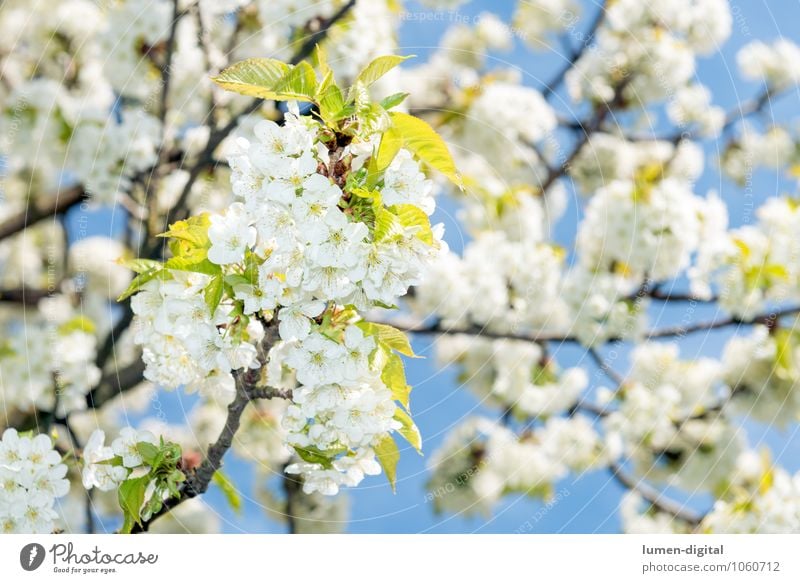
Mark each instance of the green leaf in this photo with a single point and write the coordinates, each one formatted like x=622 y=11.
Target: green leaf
x=213 y=293
x=378 y=68
x=193 y=230
x=131 y=497
x=330 y=99
x=391 y=142
x=77 y=324
x=148 y=451
x=409 y=430
x=426 y=145
x=140 y=265
x=228 y=490
x=386 y=225
x=192 y=264
x=389 y=336
x=412 y=216
x=269 y=79
x=314 y=455
x=393 y=376
x=393 y=100
x=139 y=281
x=388 y=455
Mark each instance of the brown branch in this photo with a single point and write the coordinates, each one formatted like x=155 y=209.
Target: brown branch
x=655 y=498
x=115 y=383
x=247 y=389
x=602 y=111
x=550 y=87
x=738 y=113
x=24 y=295
x=768 y=319
x=59 y=204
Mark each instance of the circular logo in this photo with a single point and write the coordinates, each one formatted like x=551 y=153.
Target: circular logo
x=31 y=556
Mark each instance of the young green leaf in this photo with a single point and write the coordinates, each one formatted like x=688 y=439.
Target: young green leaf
x=393 y=100
x=213 y=293
x=409 y=429
x=378 y=68
x=393 y=376
x=391 y=142
x=139 y=265
x=228 y=490
x=330 y=99
x=193 y=230
x=388 y=455
x=390 y=336
x=426 y=144
x=77 y=324
x=141 y=279
x=148 y=451
x=413 y=216
x=269 y=79
x=131 y=497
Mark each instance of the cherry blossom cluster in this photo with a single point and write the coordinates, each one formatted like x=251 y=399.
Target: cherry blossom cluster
x=667 y=419
x=650 y=45
x=482 y=460
x=98 y=471
x=754 y=264
x=516 y=376
x=303 y=241
x=30 y=365
x=32 y=477
x=762 y=499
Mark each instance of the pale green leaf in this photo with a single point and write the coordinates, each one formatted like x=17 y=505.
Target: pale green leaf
x=139 y=265
x=378 y=68
x=269 y=79
x=228 y=490
x=393 y=100
x=388 y=455
x=393 y=376
x=426 y=144
x=213 y=293
x=193 y=230
x=330 y=99
x=141 y=279
x=389 y=336
x=409 y=430
x=391 y=142
x=412 y=216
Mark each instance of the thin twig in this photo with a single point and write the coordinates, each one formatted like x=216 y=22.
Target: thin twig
x=657 y=499
x=549 y=88
x=33 y=213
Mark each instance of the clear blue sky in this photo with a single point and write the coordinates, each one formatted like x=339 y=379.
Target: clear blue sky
x=588 y=503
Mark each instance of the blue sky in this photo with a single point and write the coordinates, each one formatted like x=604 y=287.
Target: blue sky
x=588 y=503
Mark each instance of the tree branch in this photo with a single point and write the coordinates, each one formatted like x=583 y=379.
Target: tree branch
x=59 y=204
x=655 y=498
x=247 y=389
x=549 y=88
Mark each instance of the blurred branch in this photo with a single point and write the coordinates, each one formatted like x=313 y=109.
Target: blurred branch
x=420 y=327
x=115 y=383
x=736 y=114
x=602 y=111
x=24 y=295
x=655 y=498
x=549 y=88
x=59 y=204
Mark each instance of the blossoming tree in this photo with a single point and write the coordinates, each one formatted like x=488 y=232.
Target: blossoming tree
x=277 y=171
